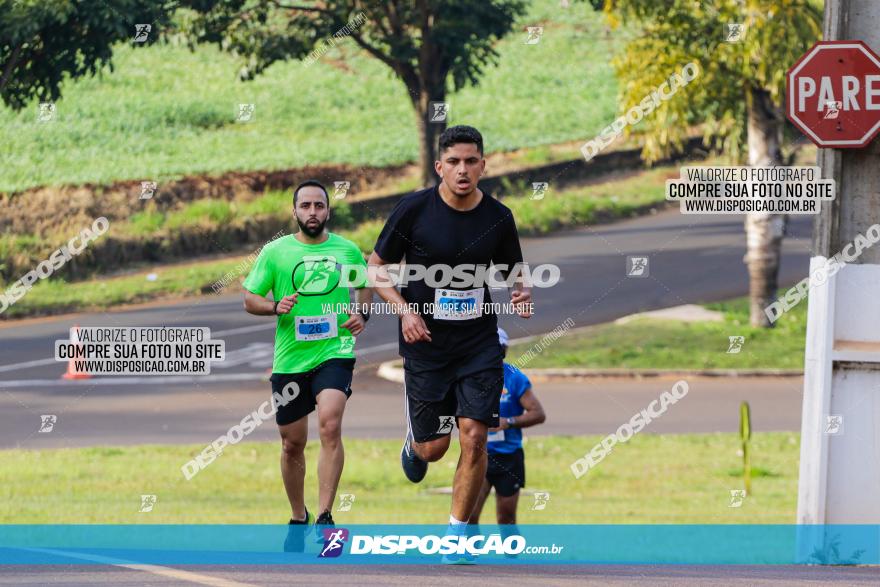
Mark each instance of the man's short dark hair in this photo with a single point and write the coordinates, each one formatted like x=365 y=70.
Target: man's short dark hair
x=460 y=134
x=307 y=183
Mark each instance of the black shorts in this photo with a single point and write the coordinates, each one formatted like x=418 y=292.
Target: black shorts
x=441 y=390
x=331 y=374
x=507 y=472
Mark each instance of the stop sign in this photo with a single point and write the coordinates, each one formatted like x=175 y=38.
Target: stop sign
x=833 y=94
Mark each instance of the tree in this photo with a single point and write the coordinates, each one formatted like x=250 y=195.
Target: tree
x=44 y=41
x=424 y=42
x=738 y=95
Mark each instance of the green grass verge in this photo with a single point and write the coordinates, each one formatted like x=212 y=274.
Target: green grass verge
x=166 y=112
x=612 y=199
x=651 y=479
x=649 y=343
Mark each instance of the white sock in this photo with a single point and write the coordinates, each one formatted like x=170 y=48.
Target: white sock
x=456 y=526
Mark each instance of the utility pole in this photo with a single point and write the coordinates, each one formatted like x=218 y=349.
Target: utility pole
x=840 y=433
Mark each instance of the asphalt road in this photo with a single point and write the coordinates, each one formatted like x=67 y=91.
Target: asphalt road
x=691 y=259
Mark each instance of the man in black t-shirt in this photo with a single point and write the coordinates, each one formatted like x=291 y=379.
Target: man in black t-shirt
x=448 y=337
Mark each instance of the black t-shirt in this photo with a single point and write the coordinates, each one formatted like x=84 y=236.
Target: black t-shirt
x=423 y=229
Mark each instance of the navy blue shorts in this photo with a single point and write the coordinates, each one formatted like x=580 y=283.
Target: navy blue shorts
x=331 y=374
x=507 y=472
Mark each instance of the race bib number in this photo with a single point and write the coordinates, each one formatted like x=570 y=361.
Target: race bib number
x=316 y=327
x=450 y=304
x=497 y=436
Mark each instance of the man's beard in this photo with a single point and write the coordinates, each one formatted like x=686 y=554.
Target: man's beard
x=311 y=232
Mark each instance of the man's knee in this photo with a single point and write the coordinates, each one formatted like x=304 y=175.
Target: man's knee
x=292 y=448
x=331 y=431
x=473 y=440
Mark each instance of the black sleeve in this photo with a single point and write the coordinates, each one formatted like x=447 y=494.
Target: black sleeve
x=507 y=251
x=394 y=240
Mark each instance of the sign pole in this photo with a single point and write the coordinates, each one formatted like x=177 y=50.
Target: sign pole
x=840 y=433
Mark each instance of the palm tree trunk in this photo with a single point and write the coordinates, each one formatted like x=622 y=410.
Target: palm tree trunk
x=764 y=231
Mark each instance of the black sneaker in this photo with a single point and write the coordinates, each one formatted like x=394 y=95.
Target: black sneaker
x=414 y=468
x=325 y=520
x=296 y=534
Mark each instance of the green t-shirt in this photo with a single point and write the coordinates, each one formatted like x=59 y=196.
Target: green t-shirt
x=312 y=332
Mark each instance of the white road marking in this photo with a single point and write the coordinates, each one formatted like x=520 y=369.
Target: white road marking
x=26 y=364
x=178 y=574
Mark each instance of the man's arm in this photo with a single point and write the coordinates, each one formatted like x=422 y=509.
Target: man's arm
x=509 y=253
x=521 y=297
x=357 y=322
x=260 y=306
x=534 y=412
x=412 y=325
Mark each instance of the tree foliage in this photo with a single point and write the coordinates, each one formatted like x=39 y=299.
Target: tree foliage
x=44 y=41
x=676 y=32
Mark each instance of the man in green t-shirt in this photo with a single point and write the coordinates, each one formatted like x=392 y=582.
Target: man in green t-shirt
x=314 y=343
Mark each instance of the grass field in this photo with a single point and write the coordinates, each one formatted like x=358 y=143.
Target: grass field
x=165 y=112
x=651 y=479
x=649 y=343
x=613 y=199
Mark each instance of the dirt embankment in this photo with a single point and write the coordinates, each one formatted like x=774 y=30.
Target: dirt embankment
x=41 y=220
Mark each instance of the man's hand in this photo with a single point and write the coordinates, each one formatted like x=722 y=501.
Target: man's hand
x=502 y=425
x=522 y=301
x=355 y=324
x=414 y=328
x=286 y=303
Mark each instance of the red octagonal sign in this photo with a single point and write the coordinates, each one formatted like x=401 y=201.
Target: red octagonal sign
x=833 y=94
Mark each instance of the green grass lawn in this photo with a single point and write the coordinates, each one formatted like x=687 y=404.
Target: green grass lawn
x=651 y=479
x=165 y=112
x=649 y=343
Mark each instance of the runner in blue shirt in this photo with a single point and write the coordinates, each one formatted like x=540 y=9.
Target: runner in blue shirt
x=519 y=409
